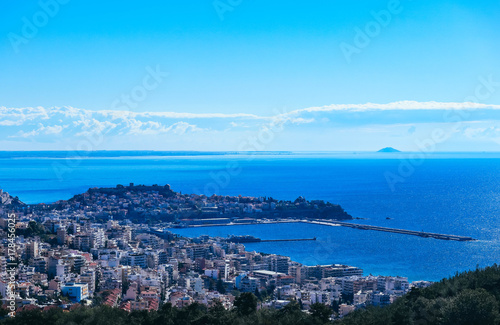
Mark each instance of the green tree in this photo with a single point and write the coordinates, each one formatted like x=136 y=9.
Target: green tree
x=246 y=304
x=221 y=288
x=167 y=314
x=292 y=314
x=335 y=306
x=257 y=294
x=33 y=229
x=321 y=312
x=125 y=286
x=472 y=307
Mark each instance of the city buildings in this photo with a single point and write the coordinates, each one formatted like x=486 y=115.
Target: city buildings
x=96 y=246
x=75 y=291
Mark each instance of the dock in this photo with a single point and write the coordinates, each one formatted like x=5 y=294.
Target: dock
x=298 y=239
x=393 y=230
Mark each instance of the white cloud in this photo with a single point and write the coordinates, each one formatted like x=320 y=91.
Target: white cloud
x=77 y=122
x=42 y=130
x=482 y=132
x=21 y=115
x=401 y=105
x=11 y=123
x=183 y=127
x=154 y=128
x=93 y=126
x=301 y=120
x=174 y=115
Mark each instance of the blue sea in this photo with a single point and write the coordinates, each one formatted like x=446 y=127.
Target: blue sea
x=451 y=193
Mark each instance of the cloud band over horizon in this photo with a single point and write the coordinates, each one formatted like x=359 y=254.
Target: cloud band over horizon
x=325 y=128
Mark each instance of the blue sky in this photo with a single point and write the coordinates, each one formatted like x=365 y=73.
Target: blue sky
x=217 y=73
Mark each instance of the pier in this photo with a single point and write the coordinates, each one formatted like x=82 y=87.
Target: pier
x=393 y=230
x=299 y=239
x=334 y=223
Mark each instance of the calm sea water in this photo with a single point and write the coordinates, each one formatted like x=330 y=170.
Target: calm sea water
x=448 y=193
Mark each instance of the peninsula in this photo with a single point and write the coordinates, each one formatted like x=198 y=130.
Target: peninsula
x=156 y=204
x=161 y=206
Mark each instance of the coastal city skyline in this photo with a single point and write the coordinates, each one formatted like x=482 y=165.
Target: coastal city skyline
x=123 y=241
x=225 y=162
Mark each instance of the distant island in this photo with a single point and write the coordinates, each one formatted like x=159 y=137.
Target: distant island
x=388 y=149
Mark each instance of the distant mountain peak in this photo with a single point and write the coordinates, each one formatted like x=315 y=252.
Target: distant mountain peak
x=388 y=149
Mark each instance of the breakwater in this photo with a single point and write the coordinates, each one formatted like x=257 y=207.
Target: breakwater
x=393 y=230
x=349 y=225
x=298 y=239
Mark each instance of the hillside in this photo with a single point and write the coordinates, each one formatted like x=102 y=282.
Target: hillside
x=142 y=202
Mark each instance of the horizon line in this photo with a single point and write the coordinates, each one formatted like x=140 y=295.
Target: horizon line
x=253 y=151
